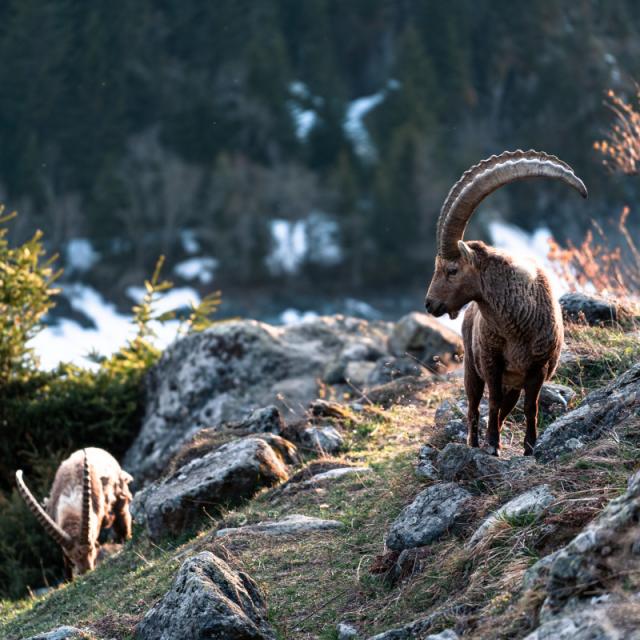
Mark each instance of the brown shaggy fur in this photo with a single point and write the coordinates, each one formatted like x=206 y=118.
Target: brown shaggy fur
x=110 y=498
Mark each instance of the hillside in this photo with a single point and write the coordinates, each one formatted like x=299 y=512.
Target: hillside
x=283 y=144
x=415 y=533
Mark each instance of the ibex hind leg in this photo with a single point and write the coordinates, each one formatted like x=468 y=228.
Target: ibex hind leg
x=474 y=388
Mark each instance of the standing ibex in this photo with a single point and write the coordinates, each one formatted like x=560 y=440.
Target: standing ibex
x=512 y=330
x=90 y=492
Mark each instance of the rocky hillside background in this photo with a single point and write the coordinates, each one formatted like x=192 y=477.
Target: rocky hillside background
x=313 y=482
x=272 y=142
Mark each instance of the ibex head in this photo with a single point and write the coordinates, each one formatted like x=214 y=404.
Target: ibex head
x=80 y=550
x=456 y=280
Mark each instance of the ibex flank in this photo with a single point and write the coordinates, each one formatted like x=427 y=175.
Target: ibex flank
x=512 y=330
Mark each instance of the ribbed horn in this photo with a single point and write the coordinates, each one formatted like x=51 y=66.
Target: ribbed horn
x=86 y=500
x=60 y=536
x=483 y=179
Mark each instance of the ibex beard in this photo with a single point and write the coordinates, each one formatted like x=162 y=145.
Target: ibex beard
x=512 y=329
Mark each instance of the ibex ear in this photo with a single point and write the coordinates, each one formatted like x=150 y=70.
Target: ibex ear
x=466 y=252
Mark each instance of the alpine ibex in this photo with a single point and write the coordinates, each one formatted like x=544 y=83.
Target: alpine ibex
x=90 y=492
x=512 y=330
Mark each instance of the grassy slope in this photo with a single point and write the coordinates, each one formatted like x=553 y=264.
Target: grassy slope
x=313 y=582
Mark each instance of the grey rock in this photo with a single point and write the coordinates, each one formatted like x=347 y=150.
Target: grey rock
x=579 y=307
x=357 y=373
x=605 y=548
x=538 y=572
x=325 y=439
x=428 y=517
x=208 y=599
x=338 y=371
x=333 y=474
x=293 y=524
x=603 y=621
x=532 y=502
x=426 y=468
x=390 y=368
x=225 y=476
x=458 y=462
x=212 y=378
x=61 y=633
x=422 y=337
x=420 y=628
x=264 y=420
x=555 y=398
x=600 y=412
x=346 y=631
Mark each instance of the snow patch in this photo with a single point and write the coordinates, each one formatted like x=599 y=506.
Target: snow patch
x=80 y=255
x=295 y=316
x=202 y=268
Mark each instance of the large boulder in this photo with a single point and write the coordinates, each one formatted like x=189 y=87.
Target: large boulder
x=208 y=600
x=222 y=477
x=220 y=375
x=428 y=517
x=584 y=309
x=601 y=411
x=424 y=338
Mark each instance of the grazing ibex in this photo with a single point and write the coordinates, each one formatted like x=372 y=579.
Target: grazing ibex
x=512 y=330
x=90 y=492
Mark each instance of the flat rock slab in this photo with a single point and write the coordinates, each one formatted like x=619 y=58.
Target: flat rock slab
x=600 y=412
x=533 y=502
x=61 y=633
x=225 y=476
x=334 y=474
x=208 y=600
x=291 y=525
x=428 y=517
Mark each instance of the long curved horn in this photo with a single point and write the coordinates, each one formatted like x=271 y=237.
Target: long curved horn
x=60 y=536
x=487 y=176
x=86 y=500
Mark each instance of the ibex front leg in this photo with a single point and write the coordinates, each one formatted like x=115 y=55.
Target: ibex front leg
x=532 y=386
x=494 y=383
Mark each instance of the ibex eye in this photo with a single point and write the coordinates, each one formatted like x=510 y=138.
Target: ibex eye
x=452 y=271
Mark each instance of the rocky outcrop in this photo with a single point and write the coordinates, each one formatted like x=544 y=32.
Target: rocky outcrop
x=208 y=599
x=294 y=524
x=428 y=517
x=584 y=309
x=222 y=374
x=594 y=621
x=530 y=503
x=601 y=411
x=601 y=552
x=425 y=339
x=224 y=476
